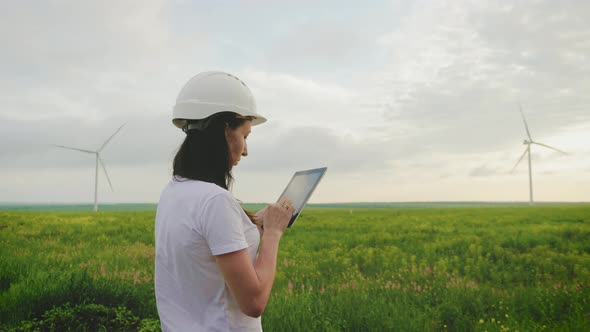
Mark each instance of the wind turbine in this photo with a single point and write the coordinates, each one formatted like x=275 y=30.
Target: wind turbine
x=527 y=151
x=98 y=161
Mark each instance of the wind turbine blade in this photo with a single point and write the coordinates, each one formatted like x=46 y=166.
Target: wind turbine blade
x=519 y=160
x=105 y=172
x=71 y=148
x=525 y=124
x=110 y=138
x=550 y=147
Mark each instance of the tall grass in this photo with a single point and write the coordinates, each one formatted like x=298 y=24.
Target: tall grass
x=477 y=269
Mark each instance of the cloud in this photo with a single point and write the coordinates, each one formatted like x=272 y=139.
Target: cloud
x=386 y=95
x=296 y=100
x=483 y=171
x=91 y=34
x=98 y=61
x=313 y=46
x=29 y=144
x=464 y=71
x=312 y=146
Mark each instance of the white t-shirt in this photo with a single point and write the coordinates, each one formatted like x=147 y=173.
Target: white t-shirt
x=195 y=221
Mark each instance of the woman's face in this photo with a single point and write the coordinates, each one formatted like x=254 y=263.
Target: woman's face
x=236 y=141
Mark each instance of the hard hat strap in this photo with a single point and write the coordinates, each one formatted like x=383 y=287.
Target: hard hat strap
x=198 y=125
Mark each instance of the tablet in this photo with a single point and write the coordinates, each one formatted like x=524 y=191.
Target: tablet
x=300 y=189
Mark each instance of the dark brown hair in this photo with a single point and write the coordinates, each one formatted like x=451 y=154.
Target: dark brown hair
x=204 y=155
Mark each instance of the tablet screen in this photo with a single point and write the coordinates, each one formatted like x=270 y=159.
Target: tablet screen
x=301 y=187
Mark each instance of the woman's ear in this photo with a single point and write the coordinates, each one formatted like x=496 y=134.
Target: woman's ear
x=227 y=131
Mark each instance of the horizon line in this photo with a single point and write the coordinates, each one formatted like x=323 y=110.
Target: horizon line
x=315 y=203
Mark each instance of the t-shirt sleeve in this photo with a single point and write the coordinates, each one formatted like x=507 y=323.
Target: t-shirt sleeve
x=222 y=228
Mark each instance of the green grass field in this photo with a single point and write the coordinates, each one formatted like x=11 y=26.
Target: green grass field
x=428 y=269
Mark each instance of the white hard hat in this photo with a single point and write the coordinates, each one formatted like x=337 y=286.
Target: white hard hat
x=214 y=92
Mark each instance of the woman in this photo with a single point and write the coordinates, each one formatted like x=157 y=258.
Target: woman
x=211 y=274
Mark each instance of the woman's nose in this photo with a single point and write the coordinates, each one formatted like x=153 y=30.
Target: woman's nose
x=245 y=151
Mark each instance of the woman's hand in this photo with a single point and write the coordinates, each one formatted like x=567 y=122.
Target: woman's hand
x=275 y=217
x=259 y=216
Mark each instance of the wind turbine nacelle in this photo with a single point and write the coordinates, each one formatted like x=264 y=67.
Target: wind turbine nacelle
x=525 y=142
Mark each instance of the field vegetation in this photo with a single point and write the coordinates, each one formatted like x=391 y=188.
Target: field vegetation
x=430 y=269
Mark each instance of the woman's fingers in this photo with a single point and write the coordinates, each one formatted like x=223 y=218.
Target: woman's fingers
x=260 y=214
x=285 y=202
x=278 y=215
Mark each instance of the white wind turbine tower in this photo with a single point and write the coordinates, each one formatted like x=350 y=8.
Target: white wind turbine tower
x=98 y=161
x=527 y=151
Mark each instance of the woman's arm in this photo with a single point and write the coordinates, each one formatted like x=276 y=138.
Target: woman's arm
x=249 y=283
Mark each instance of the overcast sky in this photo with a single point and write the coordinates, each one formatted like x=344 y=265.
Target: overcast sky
x=401 y=100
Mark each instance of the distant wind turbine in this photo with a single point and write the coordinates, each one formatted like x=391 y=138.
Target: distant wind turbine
x=527 y=151
x=98 y=160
